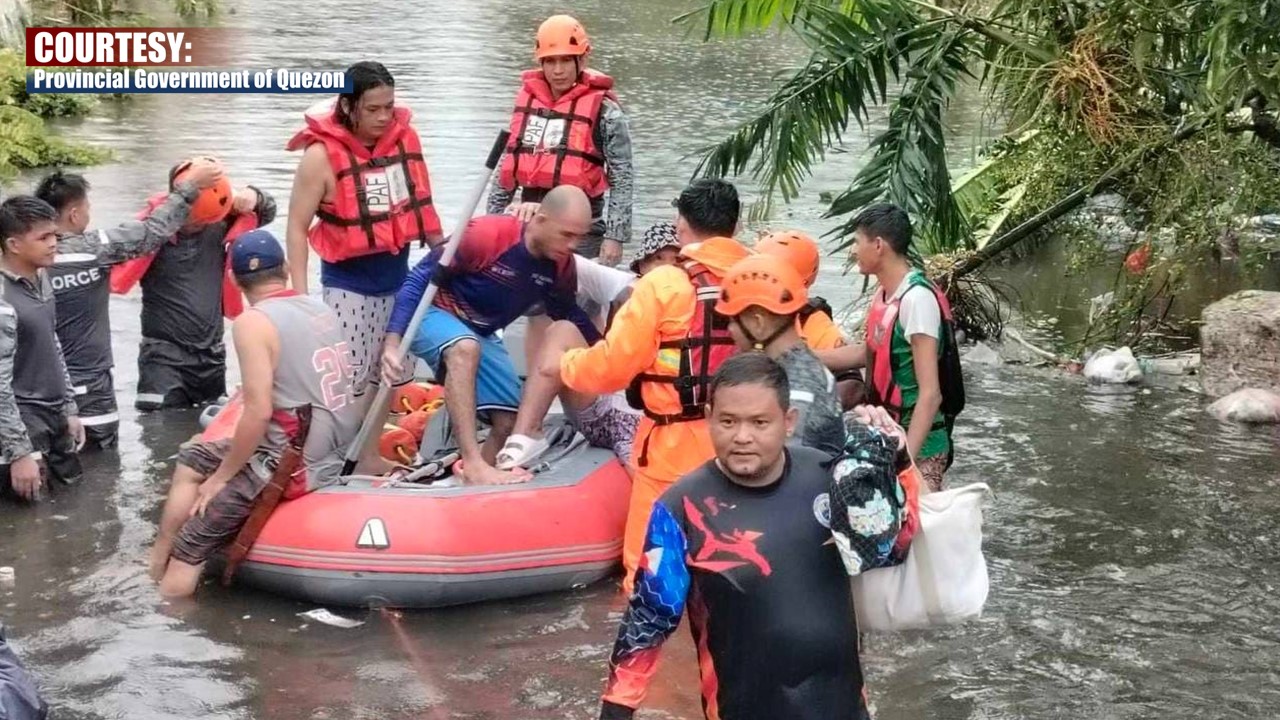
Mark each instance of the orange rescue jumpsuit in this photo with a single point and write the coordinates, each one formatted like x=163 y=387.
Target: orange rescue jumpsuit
x=661 y=308
x=820 y=332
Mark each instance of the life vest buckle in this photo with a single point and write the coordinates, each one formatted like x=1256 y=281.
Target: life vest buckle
x=684 y=382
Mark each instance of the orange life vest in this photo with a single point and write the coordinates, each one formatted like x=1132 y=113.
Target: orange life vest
x=553 y=141
x=702 y=351
x=382 y=199
x=125 y=275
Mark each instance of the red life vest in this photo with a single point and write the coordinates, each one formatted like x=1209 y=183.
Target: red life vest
x=702 y=351
x=382 y=199
x=880 y=323
x=553 y=141
x=125 y=275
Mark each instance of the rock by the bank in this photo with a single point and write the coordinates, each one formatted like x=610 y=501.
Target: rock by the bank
x=1250 y=405
x=1240 y=343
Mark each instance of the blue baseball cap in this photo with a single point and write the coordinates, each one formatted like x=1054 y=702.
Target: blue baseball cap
x=256 y=250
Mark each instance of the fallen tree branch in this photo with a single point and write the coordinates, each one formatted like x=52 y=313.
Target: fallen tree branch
x=1070 y=202
x=1052 y=357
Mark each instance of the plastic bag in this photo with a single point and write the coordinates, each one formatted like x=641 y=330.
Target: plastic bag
x=944 y=579
x=1117 y=367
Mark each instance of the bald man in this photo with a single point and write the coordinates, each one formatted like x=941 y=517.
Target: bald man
x=503 y=267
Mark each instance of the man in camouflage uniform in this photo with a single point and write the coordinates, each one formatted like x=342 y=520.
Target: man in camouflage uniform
x=38 y=422
x=610 y=134
x=80 y=276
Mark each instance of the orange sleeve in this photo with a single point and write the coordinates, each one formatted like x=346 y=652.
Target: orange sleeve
x=821 y=333
x=631 y=345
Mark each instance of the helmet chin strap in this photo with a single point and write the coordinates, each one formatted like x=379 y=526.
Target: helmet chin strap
x=760 y=345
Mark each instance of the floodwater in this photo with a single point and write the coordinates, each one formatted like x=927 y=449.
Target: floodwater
x=1131 y=540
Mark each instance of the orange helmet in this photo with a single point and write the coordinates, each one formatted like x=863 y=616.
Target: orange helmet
x=796 y=248
x=212 y=204
x=762 y=280
x=561 y=35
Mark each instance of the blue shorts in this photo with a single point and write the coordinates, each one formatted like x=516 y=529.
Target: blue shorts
x=497 y=384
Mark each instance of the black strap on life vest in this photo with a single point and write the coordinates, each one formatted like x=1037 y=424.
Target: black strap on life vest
x=691 y=384
x=518 y=147
x=366 y=220
x=413 y=194
x=516 y=140
x=563 y=150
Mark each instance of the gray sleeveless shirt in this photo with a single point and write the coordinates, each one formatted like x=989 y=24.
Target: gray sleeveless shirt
x=313 y=369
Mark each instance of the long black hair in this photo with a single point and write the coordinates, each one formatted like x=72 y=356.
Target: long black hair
x=365 y=76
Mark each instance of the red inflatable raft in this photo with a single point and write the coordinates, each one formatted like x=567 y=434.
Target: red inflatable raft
x=376 y=542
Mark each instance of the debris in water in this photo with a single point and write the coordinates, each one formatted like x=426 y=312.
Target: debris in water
x=981 y=354
x=1119 y=367
x=324 y=616
x=246 y=617
x=7 y=576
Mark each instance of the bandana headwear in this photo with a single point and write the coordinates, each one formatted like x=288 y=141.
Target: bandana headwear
x=658 y=237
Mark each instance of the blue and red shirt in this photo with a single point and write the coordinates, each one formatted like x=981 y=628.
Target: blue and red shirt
x=493 y=280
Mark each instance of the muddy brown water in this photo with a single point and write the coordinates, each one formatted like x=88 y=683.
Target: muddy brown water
x=1132 y=540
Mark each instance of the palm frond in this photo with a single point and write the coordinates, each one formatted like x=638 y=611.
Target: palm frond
x=849 y=71
x=908 y=165
x=731 y=18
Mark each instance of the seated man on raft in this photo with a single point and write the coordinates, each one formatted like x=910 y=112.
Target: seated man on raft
x=503 y=266
x=606 y=420
x=292 y=355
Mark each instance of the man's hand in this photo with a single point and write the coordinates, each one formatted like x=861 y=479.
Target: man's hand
x=75 y=428
x=524 y=212
x=24 y=474
x=246 y=200
x=209 y=490
x=610 y=253
x=392 y=365
x=204 y=172
x=880 y=419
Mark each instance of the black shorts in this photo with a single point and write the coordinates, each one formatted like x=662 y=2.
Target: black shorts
x=170 y=376
x=96 y=398
x=203 y=535
x=47 y=429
